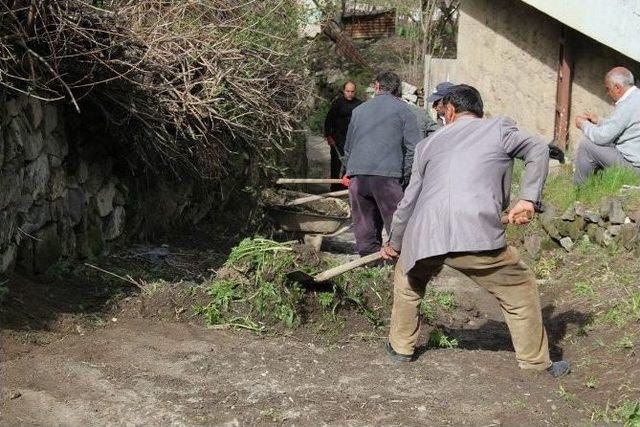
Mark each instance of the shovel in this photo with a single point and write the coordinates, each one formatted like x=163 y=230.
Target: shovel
x=302 y=277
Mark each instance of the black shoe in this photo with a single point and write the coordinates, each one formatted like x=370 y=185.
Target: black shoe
x=558 y=369
x=397 y=357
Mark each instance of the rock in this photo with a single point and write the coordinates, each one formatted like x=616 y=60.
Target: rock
x=104 y=199
x=575 y=229
x=36 y=177
x=592 y=216
x=532 y=245
x=34 y=112
x=115 y=223
x=616 y=214
x=605 y=208
x=566 y=243
x=591 y=231
x=549 y=226
x=555 y=167
x=11 y=182
x=8 y=226
x=634 y=215
x=50 y=118
x=82 y=173
x=408 y=89
x=47 y=250
x=629 y=235
x=24 y=203
x=56 y=148
x=579 y=208
x=75 y=205
x=411 y=98
x=32 y=143
x=569 y=214
x=12 y=107
x=8 y=258
x=614 y=230
x=57 y=184
x=1 y=149
x=36 y=218
x=602 y=237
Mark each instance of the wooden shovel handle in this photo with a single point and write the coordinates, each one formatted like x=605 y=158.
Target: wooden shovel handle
x=308 y=181
x=336 y=271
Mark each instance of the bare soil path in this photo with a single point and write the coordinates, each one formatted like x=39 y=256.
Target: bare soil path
x=144 y=372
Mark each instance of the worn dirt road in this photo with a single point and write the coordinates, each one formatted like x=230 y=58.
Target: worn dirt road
x=142 y=372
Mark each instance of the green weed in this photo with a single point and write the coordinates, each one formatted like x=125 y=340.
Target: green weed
x=625 y=342
x=433 y=298
x=583 y=289
x=628 y=413
x=438 y=339
x=565 y=394
x=545 y=266
x=591 y=383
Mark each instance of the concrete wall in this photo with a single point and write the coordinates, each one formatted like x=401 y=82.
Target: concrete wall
x=55 y=199
x=510 y=52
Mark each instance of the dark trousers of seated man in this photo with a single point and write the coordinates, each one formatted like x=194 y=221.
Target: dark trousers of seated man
x=503 y=274
x=373 y=201
x=591 y=158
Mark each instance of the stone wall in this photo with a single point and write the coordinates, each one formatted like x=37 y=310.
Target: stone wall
x=56 y=199
x=615 y=221
x=510 y=52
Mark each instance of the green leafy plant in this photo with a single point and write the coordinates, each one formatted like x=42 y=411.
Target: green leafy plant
x=438 y=339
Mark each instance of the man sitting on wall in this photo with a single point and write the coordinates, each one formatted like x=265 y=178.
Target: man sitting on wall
x=616 y=139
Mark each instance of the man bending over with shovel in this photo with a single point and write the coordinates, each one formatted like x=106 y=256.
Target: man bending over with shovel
x=451 y=215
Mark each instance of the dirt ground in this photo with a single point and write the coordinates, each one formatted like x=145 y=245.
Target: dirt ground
x=136 y=369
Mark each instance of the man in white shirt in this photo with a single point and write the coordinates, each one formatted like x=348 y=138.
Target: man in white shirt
x=614 y=140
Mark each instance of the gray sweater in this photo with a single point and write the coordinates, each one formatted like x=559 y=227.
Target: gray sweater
x=381 y=139
x=622 y=128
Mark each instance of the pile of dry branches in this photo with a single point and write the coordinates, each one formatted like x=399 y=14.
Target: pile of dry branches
x=184 y=83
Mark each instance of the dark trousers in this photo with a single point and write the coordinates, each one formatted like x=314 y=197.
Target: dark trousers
x=337 y=151
x=373 y=201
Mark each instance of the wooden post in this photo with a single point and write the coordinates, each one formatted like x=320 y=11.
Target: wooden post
x=563 y=92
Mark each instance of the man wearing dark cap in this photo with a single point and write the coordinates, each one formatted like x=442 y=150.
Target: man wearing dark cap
x=436 y=100
x=451 y=215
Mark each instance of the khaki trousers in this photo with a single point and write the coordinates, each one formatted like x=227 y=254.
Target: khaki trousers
x=503 y=274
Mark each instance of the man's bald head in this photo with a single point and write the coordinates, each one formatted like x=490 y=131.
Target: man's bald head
x=617 y=81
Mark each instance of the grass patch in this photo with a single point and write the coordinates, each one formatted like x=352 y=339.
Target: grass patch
x=253 y=289
x=560 y=192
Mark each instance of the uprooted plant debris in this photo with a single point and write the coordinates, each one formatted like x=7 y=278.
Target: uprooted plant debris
x=253 y=289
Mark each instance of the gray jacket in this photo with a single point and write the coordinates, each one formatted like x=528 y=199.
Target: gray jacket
x=460 y=185
x=426 y=125
x=381 y=139
x=622 y=128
